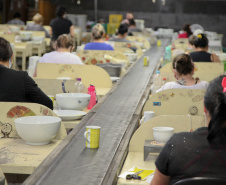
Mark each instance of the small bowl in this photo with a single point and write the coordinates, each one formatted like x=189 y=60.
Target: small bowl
x=72 y=101
x=162 y=134
x=131 y=56
x=37 y=130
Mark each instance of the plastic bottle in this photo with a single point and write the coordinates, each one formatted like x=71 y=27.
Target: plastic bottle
x=93 y=99
x=79 y=87
x=163 y=81
x=157 y=82
x=167 y=56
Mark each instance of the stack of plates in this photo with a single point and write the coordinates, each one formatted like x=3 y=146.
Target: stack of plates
x=69 y=115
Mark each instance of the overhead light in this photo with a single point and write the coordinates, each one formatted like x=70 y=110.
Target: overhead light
x=153 y=1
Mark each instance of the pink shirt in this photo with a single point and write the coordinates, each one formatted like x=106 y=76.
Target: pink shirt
x=60 y=58
x=183 y=35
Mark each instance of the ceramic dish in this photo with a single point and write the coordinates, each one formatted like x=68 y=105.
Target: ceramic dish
x=115 y=79
x=37 y=130
x=69 y=115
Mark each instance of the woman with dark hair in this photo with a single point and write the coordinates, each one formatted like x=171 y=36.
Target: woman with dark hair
x=16 y=19
x=17 y=86
x=200 y=153
x=60 y=25
x=183 y=69
x=122 y=34
x=201 y=50
x=186 y=31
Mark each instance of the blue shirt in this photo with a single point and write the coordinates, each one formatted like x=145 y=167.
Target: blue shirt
x=98 y=46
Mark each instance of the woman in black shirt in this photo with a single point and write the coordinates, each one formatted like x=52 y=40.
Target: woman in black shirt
x=17 y=86
x=201 y=47
x=200 y=153
x=60 y=25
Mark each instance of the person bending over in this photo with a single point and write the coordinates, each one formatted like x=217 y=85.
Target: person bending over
x=64 y=46
x=183 y=69
x=201 y=47
x=122 y=34
x=200 y=153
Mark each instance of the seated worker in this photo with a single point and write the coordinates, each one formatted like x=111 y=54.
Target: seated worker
x=201 y=47
x=122 y=34
x=186 y=31
x=132 y=26
x=200 y=153
x=37 y=26
x=17 y=86
x=183 y=69
x=98 y=33
x=16 y=19
x=64 y=46
x=129 y=16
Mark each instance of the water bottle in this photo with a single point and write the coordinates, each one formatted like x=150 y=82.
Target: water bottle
x=93 y=99
x=157 y=82
x=163 y=81
x=79 y=87
x=167 y=56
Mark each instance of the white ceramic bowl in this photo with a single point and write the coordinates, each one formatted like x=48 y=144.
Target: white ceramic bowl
x=37 y=130
x=131 y=56
x=72 y=101
x=26 y=35
x=162 y=134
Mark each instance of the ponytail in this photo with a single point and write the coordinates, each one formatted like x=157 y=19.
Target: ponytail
x=217 y=122
x=215 y=103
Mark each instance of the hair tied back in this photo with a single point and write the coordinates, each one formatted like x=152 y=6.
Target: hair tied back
x=224 y=84
x=199 y=36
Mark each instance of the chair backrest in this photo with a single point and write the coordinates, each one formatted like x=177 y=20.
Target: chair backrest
x=9 y=37
x=176 y=102
x=90 y=74
x=202 y=76
x=206 y=71
x=12 y=110
x=200 y=67
x=180 y=123
x=37 y=33
x=181 y=43
x=202 y=181
x=99 y=53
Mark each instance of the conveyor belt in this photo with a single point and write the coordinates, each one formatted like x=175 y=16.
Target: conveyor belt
x=79 y=165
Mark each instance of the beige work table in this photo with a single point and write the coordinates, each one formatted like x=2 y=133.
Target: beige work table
x=136 y=159
x=19 y=158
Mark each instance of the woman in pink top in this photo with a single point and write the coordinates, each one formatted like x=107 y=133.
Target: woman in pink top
x=187 y=31
x=62 y=55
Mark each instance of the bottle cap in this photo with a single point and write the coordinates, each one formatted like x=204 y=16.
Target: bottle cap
x=78 y=79
x=157 y=72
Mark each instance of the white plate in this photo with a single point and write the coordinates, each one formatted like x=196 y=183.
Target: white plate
x=68 y=115
x=63 y=78
x=115 y=79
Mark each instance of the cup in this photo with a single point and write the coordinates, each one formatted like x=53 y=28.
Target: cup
x=148 y=115
x=146 y=60
x=52 y=98
x=159 y=43
x=92 y=135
